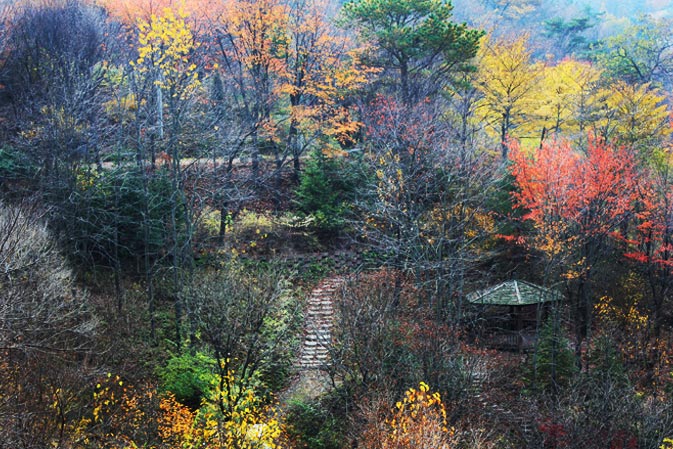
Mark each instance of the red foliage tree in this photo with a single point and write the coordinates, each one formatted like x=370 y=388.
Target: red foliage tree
x=575 y=201
x=651 y=245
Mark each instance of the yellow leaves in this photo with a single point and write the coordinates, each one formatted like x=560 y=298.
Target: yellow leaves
x=508 y=81
x=234 y=417
x=165 y=47
x=627 y=315
x=567 y=95
x=633 y=113
x=390 y=187
x=667 y=443
x=419 y=420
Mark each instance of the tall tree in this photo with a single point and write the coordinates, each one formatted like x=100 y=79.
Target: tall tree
x=651 y=245
x=634 y=115
x=426 y=208
x=252 y=41
x=414 y=39
x=166 y=57
x=643 y=53
x=568 y=37
x=322 y=70
x=55 y=73
x=569 y=102
x=575 y=200
x=508 y=80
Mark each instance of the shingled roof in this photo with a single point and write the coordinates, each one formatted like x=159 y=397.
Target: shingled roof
x=514 y=293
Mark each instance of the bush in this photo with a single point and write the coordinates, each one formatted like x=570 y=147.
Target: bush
x=15 y=165
x=311 y=425
x=262 y=233
x=188 y=377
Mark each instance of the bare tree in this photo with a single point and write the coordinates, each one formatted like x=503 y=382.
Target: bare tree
x=247 y=321
x=46 y=330
x=426 y=214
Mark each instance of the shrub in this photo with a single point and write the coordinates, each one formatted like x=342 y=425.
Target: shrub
x=15 y=165
x=188 y=377
x=311 y=425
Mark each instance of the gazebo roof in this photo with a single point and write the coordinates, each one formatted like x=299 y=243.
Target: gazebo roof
x=514 y=293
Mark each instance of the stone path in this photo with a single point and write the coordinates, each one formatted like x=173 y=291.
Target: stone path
x=311 y=381
x=318 y=323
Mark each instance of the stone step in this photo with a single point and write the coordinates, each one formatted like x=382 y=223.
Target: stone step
x=319 y=317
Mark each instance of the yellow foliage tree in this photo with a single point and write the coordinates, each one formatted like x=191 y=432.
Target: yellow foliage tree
x=165 y=46
x=633 y=114
x=508 y=81
x=418 y=421
x=568 y=99
x=242 y=419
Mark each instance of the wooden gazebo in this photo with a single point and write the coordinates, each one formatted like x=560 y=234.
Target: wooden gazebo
x=511 y=312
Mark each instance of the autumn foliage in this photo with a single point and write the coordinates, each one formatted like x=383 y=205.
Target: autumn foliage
x=573 y=197
x=181 y=173
x=418 y=421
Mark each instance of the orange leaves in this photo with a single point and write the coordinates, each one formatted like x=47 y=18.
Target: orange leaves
x=254 y=31
x=131 y=11
x=572 y=197
x=545 y=182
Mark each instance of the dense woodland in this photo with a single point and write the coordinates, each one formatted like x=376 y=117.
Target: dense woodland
x=177 y=177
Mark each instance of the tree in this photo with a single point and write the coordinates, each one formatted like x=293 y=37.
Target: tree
x=46 y=328
x=251 y=41
x=651 y=246
x=367 y=349
x=508 y=80
x=165 y=44
x=634 y=115
x=568 y=37
x=246 y=321
x=54 y=74
x=425 y=209
x=165 y=57
x=417 y=41
x=40 y=309
x=575 y=201
x=321 y=72
x=569 y=100
x=643 y=53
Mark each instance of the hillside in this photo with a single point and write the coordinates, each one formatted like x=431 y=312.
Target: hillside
x=312 y=224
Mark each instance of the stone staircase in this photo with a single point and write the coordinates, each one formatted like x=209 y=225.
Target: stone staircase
x=319 y=319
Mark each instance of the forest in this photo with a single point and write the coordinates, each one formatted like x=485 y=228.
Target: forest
x=322 y=224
